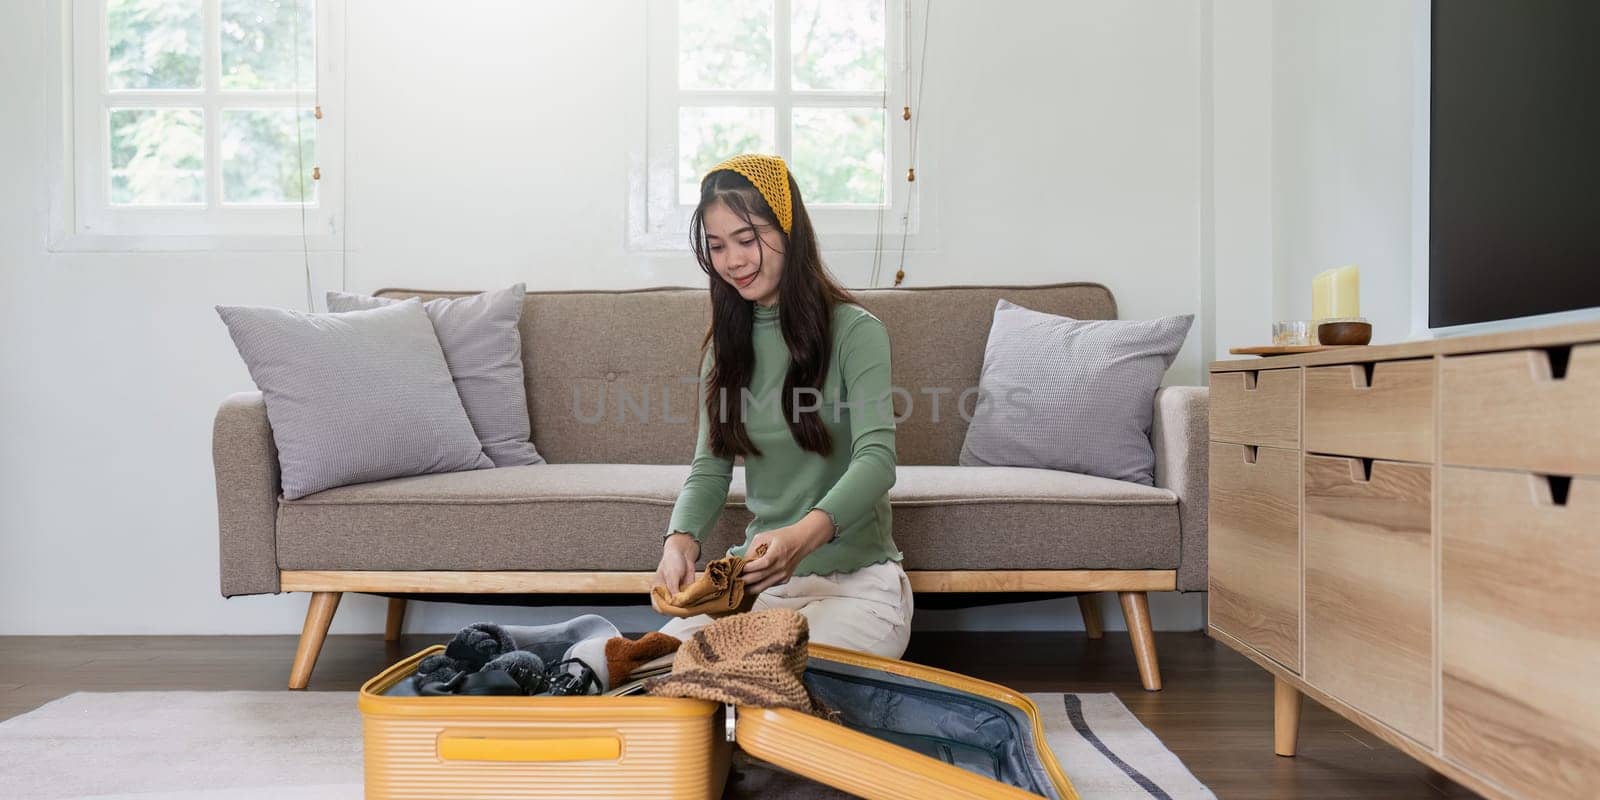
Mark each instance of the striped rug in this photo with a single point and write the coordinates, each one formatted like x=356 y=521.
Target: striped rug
x=1107 y=752
x=246 y=745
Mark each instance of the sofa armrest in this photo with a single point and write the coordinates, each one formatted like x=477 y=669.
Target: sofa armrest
x=246 y=463
x=1181 y=437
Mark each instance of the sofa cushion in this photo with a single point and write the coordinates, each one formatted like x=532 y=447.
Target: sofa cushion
x=483 y=348
x=1070 y=394
x=604 y=517
x=354 y=397
x=951 y=518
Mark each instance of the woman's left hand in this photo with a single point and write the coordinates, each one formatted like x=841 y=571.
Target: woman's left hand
x=786 y=548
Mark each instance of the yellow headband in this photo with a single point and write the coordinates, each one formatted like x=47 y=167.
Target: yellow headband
x=771 y=178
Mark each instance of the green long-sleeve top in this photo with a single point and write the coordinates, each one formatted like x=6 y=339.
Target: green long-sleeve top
x=785 y=482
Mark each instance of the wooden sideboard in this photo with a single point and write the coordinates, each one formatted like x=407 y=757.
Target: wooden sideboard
x=1410 y=535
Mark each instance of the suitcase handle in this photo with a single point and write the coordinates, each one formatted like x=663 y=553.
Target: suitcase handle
x=489 y=748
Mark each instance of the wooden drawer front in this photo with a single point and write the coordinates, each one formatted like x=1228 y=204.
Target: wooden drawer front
x=1520 y=631
x=1255 y=548
x=1261 y=408
x=1508 y=410
x=1369 y=589
x=1387 y=415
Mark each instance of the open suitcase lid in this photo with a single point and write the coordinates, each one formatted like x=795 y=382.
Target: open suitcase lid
x=935 y=733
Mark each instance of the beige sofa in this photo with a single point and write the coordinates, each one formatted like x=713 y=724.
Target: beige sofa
x=589 y=521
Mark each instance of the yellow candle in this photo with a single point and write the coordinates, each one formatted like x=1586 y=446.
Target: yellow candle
x=1345 y=299
x=1336 y=293
x=1321 y=294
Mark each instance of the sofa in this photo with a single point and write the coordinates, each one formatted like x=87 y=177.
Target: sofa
x=611 y=396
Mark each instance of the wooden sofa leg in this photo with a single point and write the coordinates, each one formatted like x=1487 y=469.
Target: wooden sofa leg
x=1089 y=606
x=1285 y=717
x=396 y=620
x=318 y=616
x=1136 y=610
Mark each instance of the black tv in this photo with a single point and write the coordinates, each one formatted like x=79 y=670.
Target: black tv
x=1514 y=165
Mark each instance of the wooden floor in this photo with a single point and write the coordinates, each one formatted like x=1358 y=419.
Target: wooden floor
x=1215 y=712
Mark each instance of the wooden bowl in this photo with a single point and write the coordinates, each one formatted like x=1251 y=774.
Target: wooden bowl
x=1344 y=333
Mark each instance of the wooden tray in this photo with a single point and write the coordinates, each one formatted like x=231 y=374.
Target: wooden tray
x=1287 y=349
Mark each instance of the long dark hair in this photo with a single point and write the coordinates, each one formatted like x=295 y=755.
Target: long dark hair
x=806 y=296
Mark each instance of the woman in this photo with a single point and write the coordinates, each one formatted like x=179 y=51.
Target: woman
x=796 y=379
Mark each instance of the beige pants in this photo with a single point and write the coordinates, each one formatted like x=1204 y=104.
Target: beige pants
x=867 y=610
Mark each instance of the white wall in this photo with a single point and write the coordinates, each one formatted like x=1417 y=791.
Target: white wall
x=1342 y=153
x=487 y=143
x=1240 y=259
x=1313 y=144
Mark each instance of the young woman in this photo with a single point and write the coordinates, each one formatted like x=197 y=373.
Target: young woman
x=796 y=379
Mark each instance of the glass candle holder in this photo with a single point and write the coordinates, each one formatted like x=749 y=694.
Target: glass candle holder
x=1293 y=332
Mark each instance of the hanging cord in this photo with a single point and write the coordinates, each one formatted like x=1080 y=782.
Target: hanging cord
x=877 y=240
x=883 y=201
x=300 y=159
x=883 y=206
x=299 y=145
x=338 y=228
x=916 y=124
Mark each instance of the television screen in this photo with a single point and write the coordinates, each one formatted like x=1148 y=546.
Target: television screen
x=1514 y=194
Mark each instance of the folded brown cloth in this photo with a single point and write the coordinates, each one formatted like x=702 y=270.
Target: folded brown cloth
x=718 y=592
x=755 y=659
x=624 y=655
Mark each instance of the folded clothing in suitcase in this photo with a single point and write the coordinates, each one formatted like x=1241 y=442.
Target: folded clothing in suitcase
x=902 y=730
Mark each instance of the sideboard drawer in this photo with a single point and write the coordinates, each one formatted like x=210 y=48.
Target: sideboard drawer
x=1519 y=624
x=1255 y=548
x=1369 y=589
x=1509 y=410
x=1385 y=414
x=1256 y=407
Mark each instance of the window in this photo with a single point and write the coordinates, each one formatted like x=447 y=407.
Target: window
x=819 y=82
x=198 y=120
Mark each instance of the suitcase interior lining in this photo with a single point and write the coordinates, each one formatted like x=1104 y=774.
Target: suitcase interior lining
x=971 y=732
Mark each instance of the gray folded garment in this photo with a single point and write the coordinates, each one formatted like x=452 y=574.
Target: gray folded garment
x=552 y=643
x=583 y=638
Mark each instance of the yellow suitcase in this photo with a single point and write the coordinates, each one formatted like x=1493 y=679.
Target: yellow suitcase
x=635 y=746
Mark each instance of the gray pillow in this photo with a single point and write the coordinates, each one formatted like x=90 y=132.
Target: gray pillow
x=354 y=397
x=484 y=350
x=1073 y=395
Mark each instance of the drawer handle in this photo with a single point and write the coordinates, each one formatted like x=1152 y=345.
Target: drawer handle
x=1560 y=356
x=1250 y=454
x=1560 y=486
x=1249 y=380
x=1361 y=375
x=486 y=748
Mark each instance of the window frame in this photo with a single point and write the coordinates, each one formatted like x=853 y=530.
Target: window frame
x=83 y=218
x=659 y=222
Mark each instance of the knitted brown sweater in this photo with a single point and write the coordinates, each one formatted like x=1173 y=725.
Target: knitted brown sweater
x=755 y=659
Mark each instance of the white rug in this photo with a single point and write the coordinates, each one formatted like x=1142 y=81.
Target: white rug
x=248 y=745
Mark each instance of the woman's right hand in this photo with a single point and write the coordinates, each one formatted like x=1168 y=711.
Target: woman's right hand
x=678 y=554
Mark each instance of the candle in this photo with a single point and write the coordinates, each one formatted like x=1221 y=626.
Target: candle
x=1336 y=293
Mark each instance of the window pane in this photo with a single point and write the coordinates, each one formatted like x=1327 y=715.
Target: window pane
x=840 y=48
x=153 y=44
x=707 y=136
x=725 y=44
x=258 y=156
x=258 y=44
x=838 y=154
x=157 y=155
